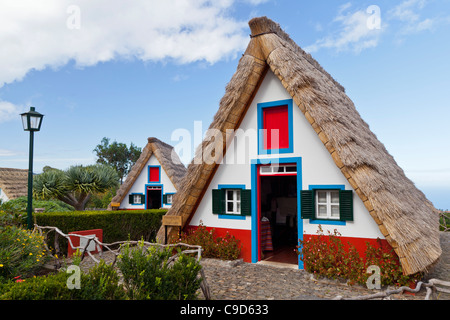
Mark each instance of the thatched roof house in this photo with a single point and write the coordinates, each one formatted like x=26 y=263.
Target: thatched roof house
x=165 y=156
x=404 y=216
x=13 y=183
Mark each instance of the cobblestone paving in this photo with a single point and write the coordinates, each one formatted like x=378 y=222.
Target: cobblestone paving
x=248 y=281
x=236 y=280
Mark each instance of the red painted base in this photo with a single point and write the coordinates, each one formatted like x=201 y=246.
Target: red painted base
x=245 y=236
x=360 y=244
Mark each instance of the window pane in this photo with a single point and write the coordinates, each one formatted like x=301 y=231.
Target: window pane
x=322 y=196
x=291 y=169
x=238 y=195
x=229 y=206
x=322 y=211
x=334 y=196
x=335 y=211
x=238 y=210
x=229 y=194
x=266 y=169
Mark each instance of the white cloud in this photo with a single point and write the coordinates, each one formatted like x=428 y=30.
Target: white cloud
x=50 y=33
x=409 y=14
x=7 y=153
x=353 y=32
x=9 y=111
x=407 y=10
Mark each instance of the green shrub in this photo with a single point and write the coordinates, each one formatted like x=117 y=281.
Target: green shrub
x=224 y=248
x=101 y=283
x=21 y=251
x=148 y=276
x=20 y=205
x=116 y=225
x=326 y=256
x=50 y=287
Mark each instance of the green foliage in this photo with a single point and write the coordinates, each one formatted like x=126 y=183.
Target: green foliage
x=148 y=275
x=117 y=155
x=21 y=251
x=224 y=248
x=116 y=225
x=101 y=200
x=19 y=205
x=444 y=221
x=326 y=255
x=75 y=185
x=100 y=283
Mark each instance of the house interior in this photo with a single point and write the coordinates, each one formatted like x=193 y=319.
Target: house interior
x=278 y=203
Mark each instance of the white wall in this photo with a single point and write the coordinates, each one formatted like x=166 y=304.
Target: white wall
x=142 y=181
x=3 y=196
x=317 y=168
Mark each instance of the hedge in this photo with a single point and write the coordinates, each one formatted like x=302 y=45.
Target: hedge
x=118 y=225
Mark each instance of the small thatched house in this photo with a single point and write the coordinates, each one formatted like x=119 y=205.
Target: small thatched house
x=13 y=183
x=153 y=180
x=310 y=160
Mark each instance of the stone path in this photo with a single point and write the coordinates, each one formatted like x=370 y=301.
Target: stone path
x=246 y=281
x=237 y=280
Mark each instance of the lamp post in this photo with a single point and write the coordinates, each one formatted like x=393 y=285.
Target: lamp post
x=31 y=121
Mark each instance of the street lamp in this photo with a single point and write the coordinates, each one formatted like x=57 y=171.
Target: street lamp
x=31 y=121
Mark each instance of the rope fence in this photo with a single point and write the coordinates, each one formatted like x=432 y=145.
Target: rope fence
x=189 y=249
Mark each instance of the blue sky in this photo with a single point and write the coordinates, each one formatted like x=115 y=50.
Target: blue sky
x=128 y=70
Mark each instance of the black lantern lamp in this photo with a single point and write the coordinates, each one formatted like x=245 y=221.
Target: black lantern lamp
x=31 y=121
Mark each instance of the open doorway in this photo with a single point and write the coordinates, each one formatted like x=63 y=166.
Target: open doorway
x=278 y=211
x=154 y=196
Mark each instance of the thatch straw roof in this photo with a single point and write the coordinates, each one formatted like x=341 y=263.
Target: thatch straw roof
x=14 y=182
x=167 y=157
x=408 y=221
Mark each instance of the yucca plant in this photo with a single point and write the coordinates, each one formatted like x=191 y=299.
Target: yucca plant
x=75 y=185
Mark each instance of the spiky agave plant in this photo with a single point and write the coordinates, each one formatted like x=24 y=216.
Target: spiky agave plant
x=75 y=185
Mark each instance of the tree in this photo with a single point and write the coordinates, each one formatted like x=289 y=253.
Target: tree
x=75 y=185
x=118 y=156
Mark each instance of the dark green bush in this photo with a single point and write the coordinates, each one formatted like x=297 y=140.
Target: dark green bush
x=20 y=205
x=116 y=225
x=148 y=276
x=101 y=283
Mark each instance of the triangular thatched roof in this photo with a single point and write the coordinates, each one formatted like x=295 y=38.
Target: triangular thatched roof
x=408 y=221
x=167 y=157
x=14 y=182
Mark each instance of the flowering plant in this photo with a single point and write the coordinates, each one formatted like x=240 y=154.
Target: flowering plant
x=325 y=255
x=21 y=251
x=225 y=248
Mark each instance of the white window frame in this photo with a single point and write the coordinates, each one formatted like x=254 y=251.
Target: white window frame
x=328 y=204
x=137 y=198
x=278 y=169
x=169 y=198
x=236 y=201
